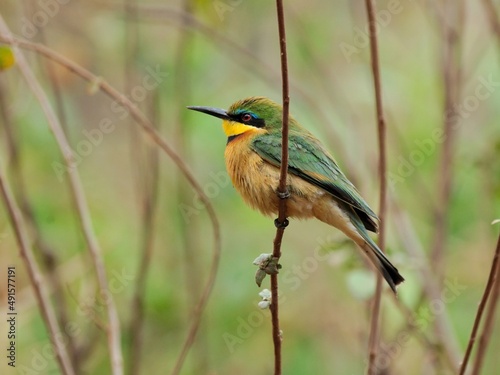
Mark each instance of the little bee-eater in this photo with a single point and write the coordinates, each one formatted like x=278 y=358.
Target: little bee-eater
x=317 y=186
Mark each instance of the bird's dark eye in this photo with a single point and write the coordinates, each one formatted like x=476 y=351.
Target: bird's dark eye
x=246 y=117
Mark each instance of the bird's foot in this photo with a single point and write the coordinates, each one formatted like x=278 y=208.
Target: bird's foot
x=283 y=194
x=281 y=224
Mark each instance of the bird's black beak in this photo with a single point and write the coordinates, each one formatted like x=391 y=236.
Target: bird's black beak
x=217 y=112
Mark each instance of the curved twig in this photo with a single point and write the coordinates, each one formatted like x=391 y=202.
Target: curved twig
x=48 y=254
x=156 y=137
x=80 y=201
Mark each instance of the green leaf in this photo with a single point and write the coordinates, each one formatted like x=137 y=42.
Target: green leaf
x=7 y=58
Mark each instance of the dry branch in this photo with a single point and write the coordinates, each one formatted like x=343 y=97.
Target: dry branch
x=114 y=341
x=49 y=255
x=494 y=276
x=382 y=170
x=282 y=192
x=35 y=276
x=191 y=262
x=156 y=137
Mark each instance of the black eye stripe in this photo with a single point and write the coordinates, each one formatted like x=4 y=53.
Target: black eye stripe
x=248 y=119
x=257 y=122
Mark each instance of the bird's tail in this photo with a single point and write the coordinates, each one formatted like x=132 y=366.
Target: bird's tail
x=390 y=273
x=376 y=256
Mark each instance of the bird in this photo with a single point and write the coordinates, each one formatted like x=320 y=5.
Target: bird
x=317 y=187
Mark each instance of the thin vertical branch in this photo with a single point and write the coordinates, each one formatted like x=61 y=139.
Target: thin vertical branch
x=191 y=263
x=190 y=260
x=81 y=205
x=494 y=276
x=145 y=178
x=452 y=24
x=451 y=20
x=282 y=192
x=131 y=50
x=35 y=276
x=149 y=204
x=382 y=170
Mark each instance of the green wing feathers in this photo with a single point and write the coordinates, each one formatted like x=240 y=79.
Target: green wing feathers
x=311 y=162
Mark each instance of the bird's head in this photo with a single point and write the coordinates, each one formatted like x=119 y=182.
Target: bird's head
x=252 y=114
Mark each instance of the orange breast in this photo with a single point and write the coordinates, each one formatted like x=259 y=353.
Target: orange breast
x=257 y=181
x=250 y=174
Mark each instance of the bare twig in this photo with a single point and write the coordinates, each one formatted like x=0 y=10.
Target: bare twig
x=494 y=276
x=484 y=339
x=156 y=137
x=282 y=191
x=35 y=276
x=48 y=253
x=191 y=261
x=145 y=177
x=146 y=167
x=451 y=18
x=114 y=341
x=451 y=25
x=146 y=247
x=382 y=169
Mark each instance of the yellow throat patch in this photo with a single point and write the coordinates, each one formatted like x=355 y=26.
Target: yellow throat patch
x=232 y=128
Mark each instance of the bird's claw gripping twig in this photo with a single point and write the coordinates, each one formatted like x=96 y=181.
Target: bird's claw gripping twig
x=281 y=224
x=283 y=194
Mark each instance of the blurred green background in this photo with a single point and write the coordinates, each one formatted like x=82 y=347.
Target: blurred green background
x=213 y=53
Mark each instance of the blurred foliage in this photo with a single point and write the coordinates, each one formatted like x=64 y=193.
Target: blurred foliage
x=232 y=55
x=6 y=57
